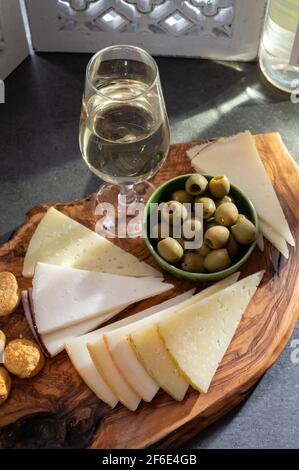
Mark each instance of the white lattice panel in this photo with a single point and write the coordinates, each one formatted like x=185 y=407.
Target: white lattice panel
x=13 y=41
x=216 y=29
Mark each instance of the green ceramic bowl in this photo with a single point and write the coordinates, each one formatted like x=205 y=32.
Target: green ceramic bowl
x=163 y=194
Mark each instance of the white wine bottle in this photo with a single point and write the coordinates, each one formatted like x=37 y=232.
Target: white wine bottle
x=279 y=52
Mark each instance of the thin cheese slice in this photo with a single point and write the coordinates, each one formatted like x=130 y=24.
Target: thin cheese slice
x=54 y=342
x=64 y=296
x=274 y=238
x=123 y=355
x=81 y=360
x=104 y=364
x=238 y=158
x=58 y=239
x=151 y=351
x=198 y=337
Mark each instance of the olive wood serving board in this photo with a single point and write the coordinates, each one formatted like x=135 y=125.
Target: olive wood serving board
x=56 y=409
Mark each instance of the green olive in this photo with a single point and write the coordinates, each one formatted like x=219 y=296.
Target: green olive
x=240 y=217
x=226 y=214
x=182 y=196
x=190 y=227
x=217 y=260
x=244 y=231
x=216 y=237
x=219 y=186
x=193 y=263
x=233 y=247
x=210 y=223
x=208 y=206
x=170 y=250
x=173 y=211
x=204 y=250
x=196 y=184
x=226 y=198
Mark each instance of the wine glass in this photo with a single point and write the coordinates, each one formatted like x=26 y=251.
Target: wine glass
x=124 y=133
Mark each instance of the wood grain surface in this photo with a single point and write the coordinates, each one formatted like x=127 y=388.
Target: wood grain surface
x=56 y=409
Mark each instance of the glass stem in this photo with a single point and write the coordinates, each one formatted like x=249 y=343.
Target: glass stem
x=127 y=193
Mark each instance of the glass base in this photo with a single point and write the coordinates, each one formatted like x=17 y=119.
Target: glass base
x=119 y=209
x=279 y=73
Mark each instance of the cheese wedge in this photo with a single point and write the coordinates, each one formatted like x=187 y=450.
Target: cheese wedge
x=60 y=240
x=81 y=360
x=198 y=337
x=53 y=343
x=151 y=351
x=237 y=157
x=124 y=357
x=63 y=296
x=275 y=238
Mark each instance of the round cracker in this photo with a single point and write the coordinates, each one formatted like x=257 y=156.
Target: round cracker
x=5 y=385
x=10 y=295
x=23 y=358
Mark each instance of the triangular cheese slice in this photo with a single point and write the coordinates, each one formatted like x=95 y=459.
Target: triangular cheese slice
x=53 y=343
x=81 y=360
x=148 y=388
x=64 y=296
x=198 y=337
x=60 y=240
x=237 y=157
x=151 y=351
x=125 y=358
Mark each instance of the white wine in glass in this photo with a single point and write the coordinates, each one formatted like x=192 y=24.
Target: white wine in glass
x=124 y=130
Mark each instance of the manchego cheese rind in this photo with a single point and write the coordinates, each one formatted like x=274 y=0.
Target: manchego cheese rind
x=198 y=337
x=151 y=351
x=58 y=239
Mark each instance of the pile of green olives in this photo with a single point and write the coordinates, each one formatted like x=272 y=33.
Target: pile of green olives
x=225 y=230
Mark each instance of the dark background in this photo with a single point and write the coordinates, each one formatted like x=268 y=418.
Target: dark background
x=40 y=162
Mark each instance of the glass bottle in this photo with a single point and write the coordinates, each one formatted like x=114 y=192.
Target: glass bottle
x=279 y=51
